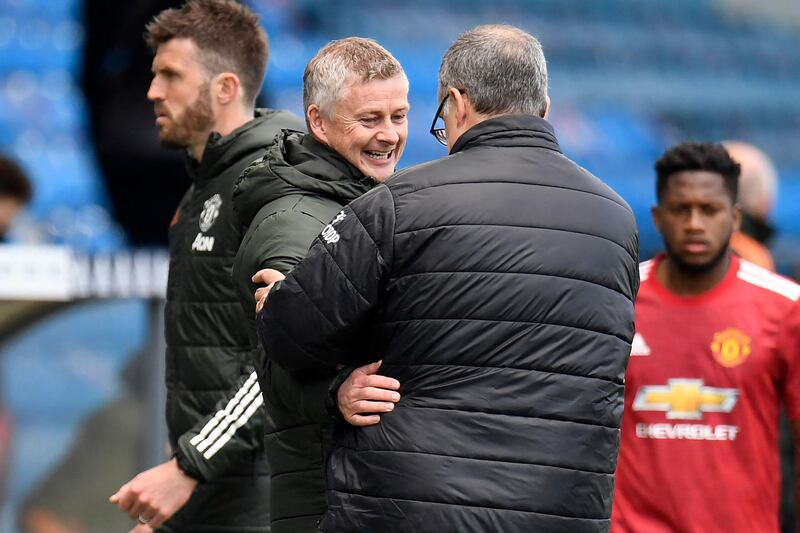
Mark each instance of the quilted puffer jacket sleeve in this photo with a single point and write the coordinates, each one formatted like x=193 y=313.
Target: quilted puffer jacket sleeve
x=317 y=317
x=228 y=435
x=279 y=238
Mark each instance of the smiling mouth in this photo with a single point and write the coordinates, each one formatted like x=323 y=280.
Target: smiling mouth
x=378 y=156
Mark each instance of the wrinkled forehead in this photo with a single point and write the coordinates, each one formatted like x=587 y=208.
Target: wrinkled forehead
x=390 y=92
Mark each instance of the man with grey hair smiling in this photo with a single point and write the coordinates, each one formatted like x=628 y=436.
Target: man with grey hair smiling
x=355 y=97
x=497 y=286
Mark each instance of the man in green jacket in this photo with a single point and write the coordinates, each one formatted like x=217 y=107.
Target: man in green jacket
x=356 y=101
x=210 y=59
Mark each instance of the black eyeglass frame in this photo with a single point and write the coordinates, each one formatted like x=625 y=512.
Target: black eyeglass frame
x=439 y=133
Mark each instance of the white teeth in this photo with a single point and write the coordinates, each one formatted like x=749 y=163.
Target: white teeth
x=380 y=156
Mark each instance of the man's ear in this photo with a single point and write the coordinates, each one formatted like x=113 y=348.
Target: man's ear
x=228 y=88
x=462 y=107
x=737 y=217
x=315 y=123
x=655 y=213
x=546 y=106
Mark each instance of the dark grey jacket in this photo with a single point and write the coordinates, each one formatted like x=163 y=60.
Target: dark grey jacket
x=285 y=199
x=497 y=285
x=214 y=412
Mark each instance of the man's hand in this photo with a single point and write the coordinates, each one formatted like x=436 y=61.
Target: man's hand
x=141 y=528
x=364 y=391
x=153 y=496
x=268 y=277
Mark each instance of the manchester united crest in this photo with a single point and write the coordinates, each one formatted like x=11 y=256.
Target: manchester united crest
x=210 y=212
x=730 y=347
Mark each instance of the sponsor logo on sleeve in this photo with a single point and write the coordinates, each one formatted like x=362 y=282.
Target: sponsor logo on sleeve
x=329 y=233
x=685 y=399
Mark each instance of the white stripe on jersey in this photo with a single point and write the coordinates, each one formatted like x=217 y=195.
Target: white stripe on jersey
x=761 y=277
x=644 y=270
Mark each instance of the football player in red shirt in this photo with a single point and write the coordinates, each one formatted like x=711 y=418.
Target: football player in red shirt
x=716 y=351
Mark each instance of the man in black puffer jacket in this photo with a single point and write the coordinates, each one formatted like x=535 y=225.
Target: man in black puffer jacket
x=208 y=68
x=497 y=285
x=286 y=199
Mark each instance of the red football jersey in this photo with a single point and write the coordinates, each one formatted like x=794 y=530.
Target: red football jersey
x=703 y=389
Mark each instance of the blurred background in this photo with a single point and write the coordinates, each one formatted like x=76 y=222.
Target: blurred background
x=80 y=323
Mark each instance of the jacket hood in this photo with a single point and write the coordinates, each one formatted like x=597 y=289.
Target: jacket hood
x=222 y=152
x=295 y=164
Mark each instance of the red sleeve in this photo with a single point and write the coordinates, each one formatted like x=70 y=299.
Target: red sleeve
x=790 y=348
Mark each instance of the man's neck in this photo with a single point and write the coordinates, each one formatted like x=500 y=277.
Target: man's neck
x=225 y=124
x=683 y=282
x=472 y=119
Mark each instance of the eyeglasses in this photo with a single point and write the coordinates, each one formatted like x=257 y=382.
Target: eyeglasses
x=439 y=133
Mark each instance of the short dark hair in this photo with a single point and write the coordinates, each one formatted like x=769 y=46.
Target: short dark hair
x=13 y=181
x=227 y=34
x=709 y=157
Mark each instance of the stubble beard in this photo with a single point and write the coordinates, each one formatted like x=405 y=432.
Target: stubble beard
x=197 y=118
x=695 y=269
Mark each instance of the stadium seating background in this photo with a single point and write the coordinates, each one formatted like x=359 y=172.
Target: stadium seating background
x=628 y=78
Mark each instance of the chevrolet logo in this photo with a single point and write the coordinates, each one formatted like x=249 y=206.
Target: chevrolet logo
x=685 y=399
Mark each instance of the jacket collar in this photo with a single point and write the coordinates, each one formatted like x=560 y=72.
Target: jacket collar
x=509 y=130
x=333 y=158
x=223 y=151
x=296 y=163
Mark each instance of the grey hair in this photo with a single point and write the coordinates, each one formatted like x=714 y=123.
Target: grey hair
x=501 y=69
x=342 y=62
x=758 y=181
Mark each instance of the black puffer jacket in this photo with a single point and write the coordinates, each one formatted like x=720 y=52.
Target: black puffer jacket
x=286 y=198
x=214 y=413
x=497 y=284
